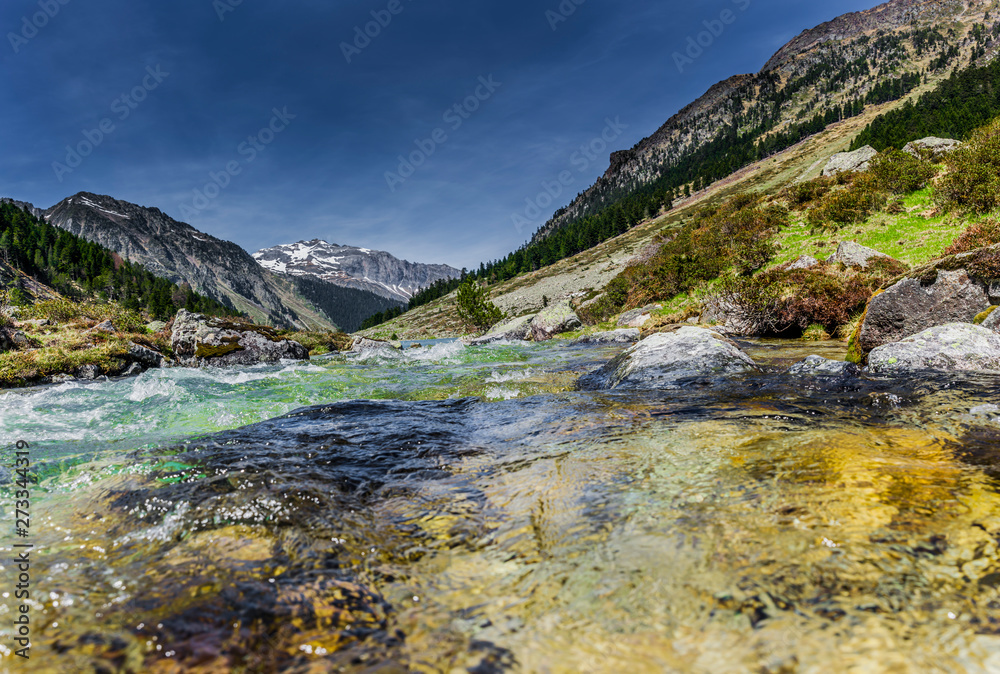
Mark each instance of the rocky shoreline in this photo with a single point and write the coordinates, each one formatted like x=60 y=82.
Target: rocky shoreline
x=53 y=353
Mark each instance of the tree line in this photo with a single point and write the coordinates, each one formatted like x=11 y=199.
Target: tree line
x=80 y=269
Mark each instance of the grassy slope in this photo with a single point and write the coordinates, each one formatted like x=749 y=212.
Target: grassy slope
x=913 y=237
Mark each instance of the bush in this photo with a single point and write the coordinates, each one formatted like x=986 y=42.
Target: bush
x=851 y=205
x=737 y=235
x=475 y=308
x=977 y=235
x=801 y=194
x=64 y=311
x=801 y=301
x=897 y=172
x=609 y=303
x=973 y=181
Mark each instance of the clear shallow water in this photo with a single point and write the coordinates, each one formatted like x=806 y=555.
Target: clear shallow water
x=476 y=514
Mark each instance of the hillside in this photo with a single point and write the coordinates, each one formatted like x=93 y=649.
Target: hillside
x=812 y=76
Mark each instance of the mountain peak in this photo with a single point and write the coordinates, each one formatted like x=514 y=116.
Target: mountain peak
x=352 y=267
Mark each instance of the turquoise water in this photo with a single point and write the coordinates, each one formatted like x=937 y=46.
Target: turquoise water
x=464 y=509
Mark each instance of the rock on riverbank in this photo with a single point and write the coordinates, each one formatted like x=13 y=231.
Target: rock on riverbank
x=202 y=340
x=951 y=347
x=662 y=359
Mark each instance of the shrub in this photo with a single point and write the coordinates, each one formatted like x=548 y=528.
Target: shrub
x=977 y=235
x=851 y=205
x=64 y=311
x=753 y=302
x=611 y=302
x=737 y=235
x=801 y=194
x=782 y=302
x=973 y=181
x=475 y=308
x=897 y=172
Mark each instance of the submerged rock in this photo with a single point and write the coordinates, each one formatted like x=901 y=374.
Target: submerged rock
x=513 y=330
x=853 y=254
x=817 y=365
x=202 y=340
x=951 y=347
x=935 y=147
x=623 y=336
x=554 y=320
x=859 y=160
x=911 y=305
x=664 y=358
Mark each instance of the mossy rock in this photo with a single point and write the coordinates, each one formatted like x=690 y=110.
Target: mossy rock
x=980 y=318
x=854 y=353
x=206 y=351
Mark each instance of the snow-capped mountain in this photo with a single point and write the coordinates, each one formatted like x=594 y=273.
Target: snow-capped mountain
x=361 y=268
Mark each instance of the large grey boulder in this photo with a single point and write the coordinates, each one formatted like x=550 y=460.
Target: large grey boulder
x=951 y=347
x=859 y=160
x=910 y=306
x=623 y=336
x=513 y=330
x=199 y=340
x=663 y=359
x=554 y=320
x=636 y=318
x=931 y=146
x=852 y=254
x=824 y=367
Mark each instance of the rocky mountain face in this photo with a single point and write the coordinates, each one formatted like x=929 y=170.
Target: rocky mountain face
x=825 y=68
x=372 y=270
x=219 y=269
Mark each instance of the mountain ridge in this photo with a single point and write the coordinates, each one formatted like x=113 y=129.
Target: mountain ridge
x=353 y=267
x=212 y=266
x=756 y=104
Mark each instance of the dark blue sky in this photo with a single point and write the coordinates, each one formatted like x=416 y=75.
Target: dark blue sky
x=308 y=138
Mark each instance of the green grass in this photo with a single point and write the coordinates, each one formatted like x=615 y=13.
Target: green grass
x=911 y=237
